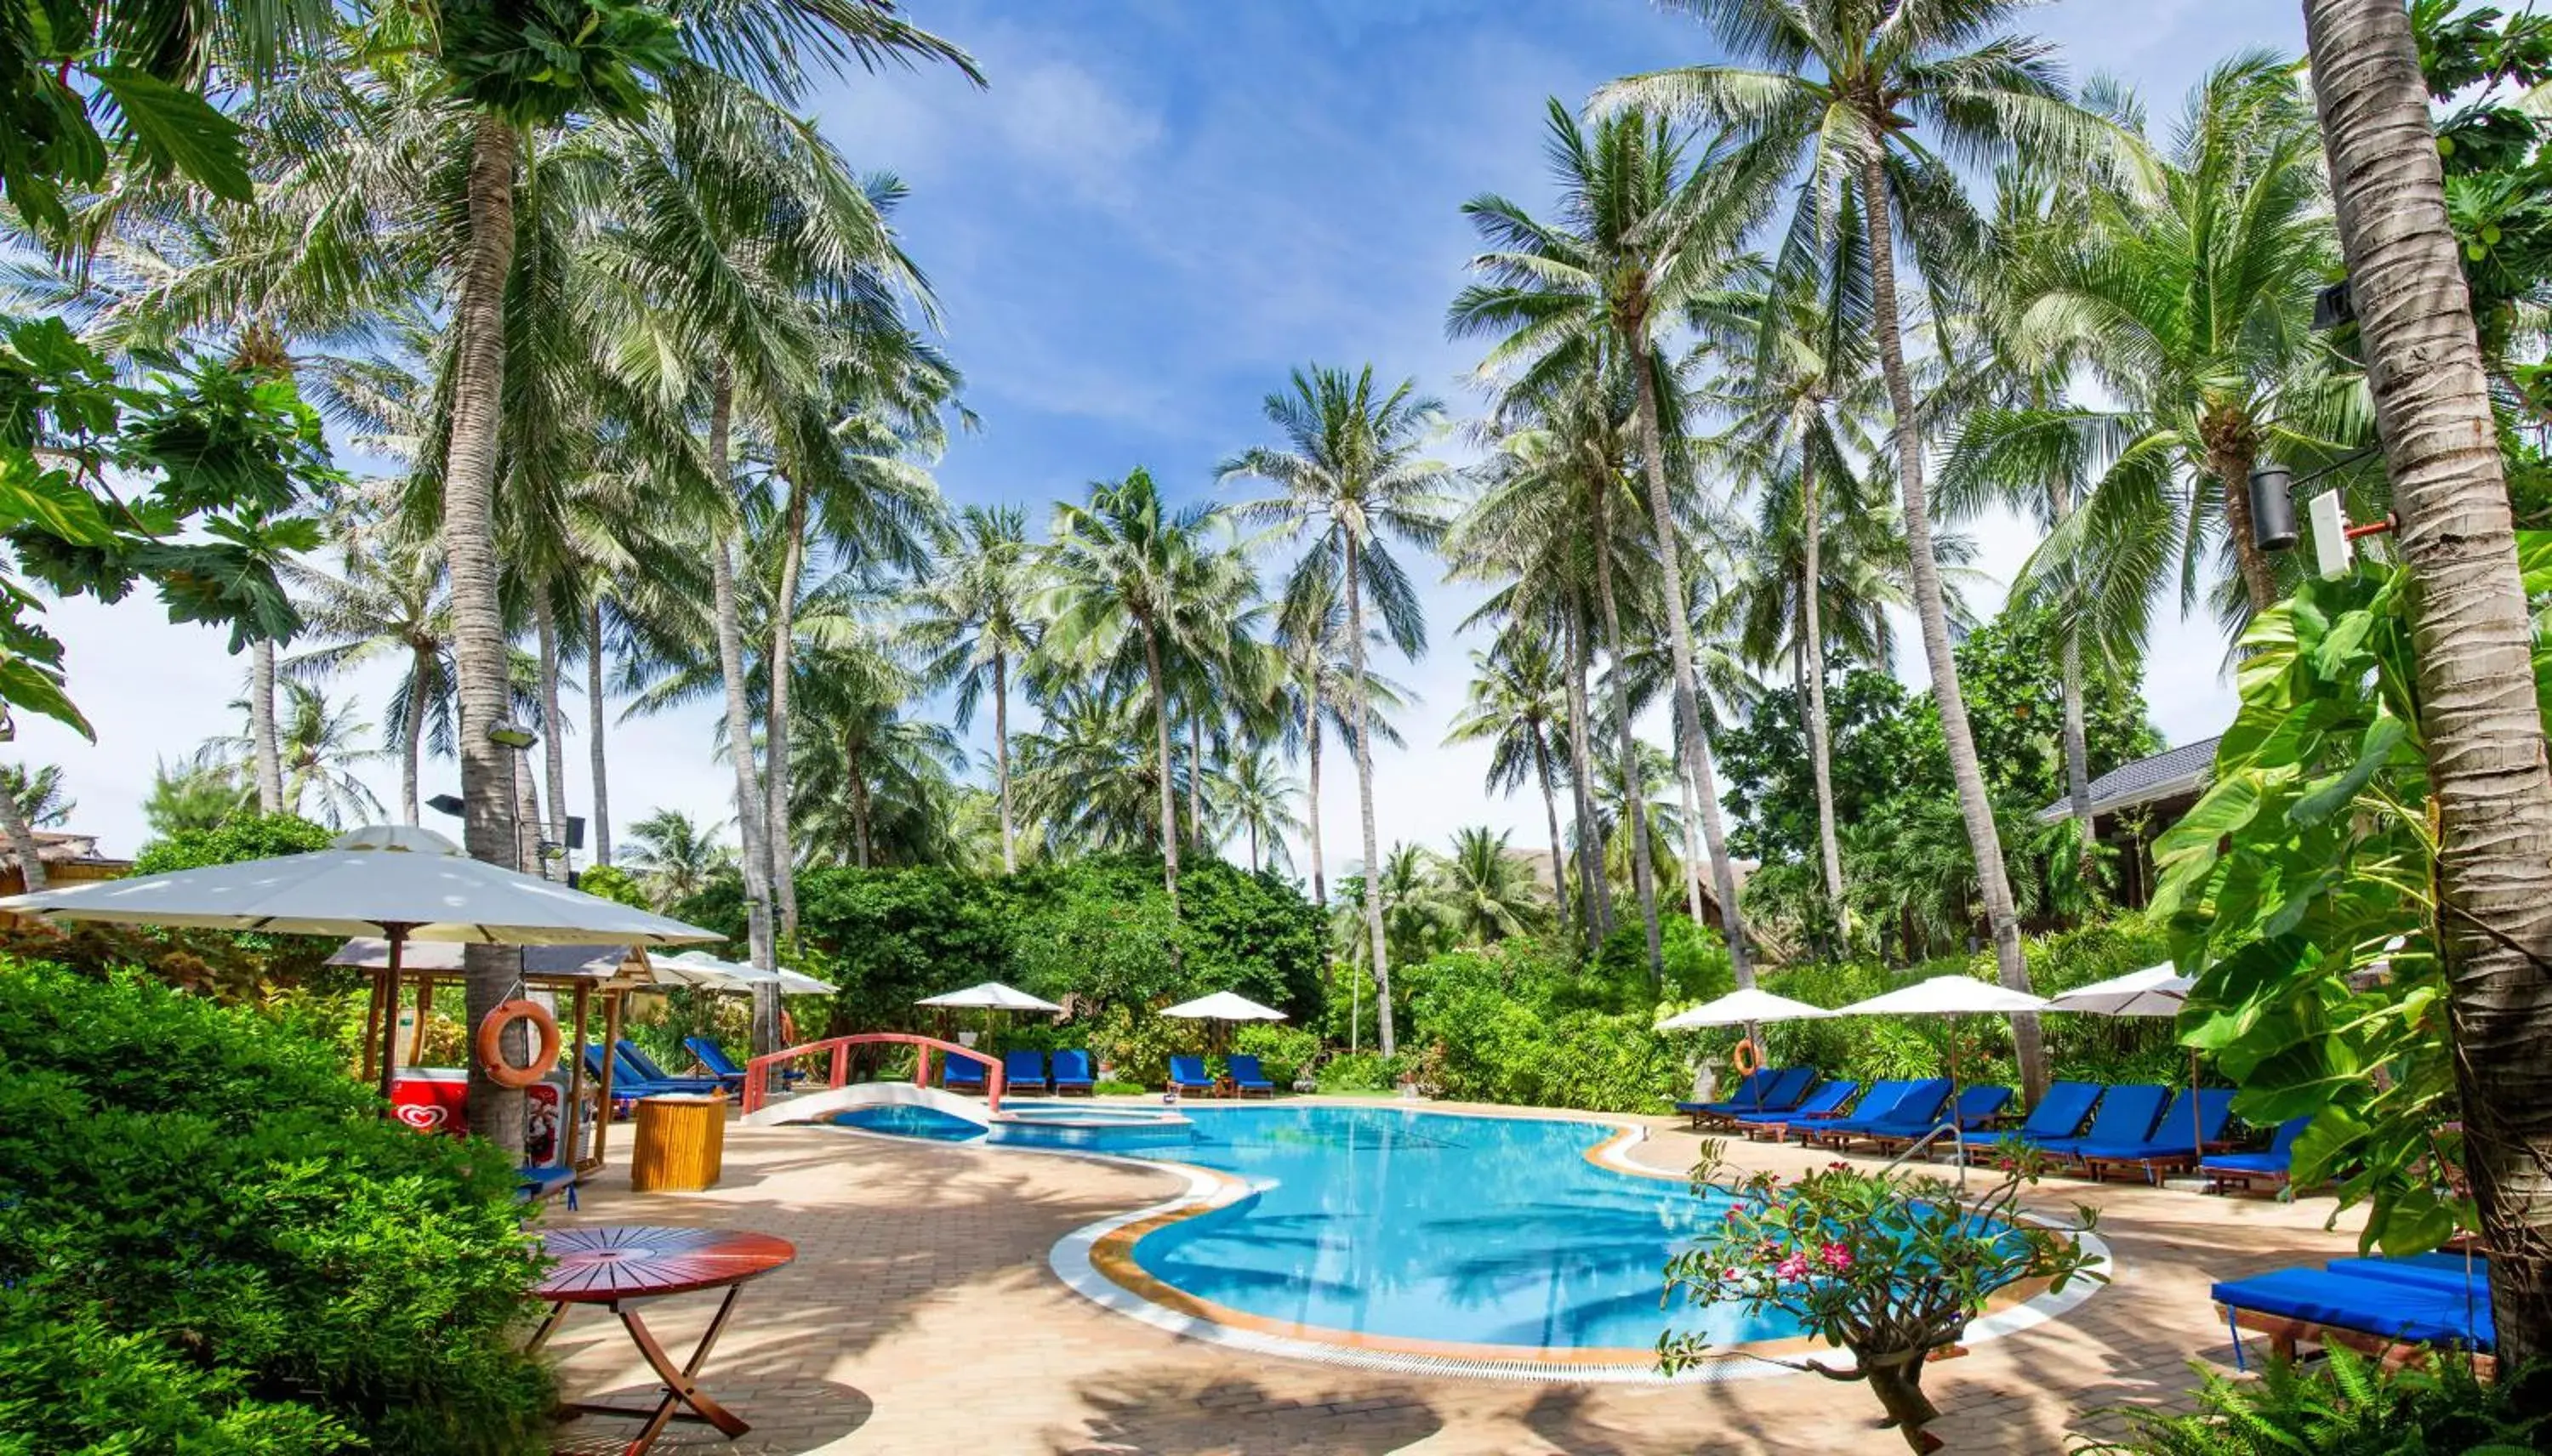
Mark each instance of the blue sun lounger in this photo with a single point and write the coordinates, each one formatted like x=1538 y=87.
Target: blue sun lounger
x=1977 y=1106
x=2126 y=1115
x=1820 y=1105
x=725 y=1068
x=1764 y=1090
x=2275 y=1165
x=635 y=1059
x=2194 y=1118
x=2060 y=1113
x=962 y=1074
x=1186 y=1074
x=1072 y=1072
x=2377 y=1306
x=1024 y=1070
x=1916 y=1111
x=1247 y=1077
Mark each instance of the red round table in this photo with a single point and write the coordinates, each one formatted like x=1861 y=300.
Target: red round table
x=619 y=1266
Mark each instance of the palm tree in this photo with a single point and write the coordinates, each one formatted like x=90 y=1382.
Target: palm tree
x=1487 y=894
x=319 y=745
x=975 y=619
x=674 y=858
x=1318 y=694
x=1085 y=776
x=1518 y=705
x=1255 y=798
x=1838 y=87
x=1119 y=564
x=30 y=802
x=187 y=795
x=389 y=602
x=1350 y=463
x=2479 y=716
x=1644 y=234
x=2191 y=299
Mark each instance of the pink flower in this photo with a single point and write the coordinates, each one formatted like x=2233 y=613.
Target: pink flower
x=1793 y=1269
x=1837 y=1165
x=1835 y=1257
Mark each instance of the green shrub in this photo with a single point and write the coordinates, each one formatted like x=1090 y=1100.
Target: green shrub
x=614 y=884
x=2347 y=1406
x=209 y=1242
x=1118 y=1089
x=249 y=837
x=1360 y=1072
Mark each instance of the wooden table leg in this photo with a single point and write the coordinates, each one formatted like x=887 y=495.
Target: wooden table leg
x=548 y=1327
x=681 y=1381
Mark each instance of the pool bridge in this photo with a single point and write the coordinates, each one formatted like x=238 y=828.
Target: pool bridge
x=839 y=1092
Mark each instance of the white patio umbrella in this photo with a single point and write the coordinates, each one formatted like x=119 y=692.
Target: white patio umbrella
x=1947 y=995
x=395 y=880
x=2156 y=991
x=991 y=996
x=1222 y=1005
x=1741 y=1006
x=710 y=973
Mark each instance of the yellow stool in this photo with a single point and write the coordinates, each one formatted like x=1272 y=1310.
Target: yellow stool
x=680 y=1143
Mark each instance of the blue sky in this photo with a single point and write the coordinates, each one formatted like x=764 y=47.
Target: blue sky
x=1157 y=209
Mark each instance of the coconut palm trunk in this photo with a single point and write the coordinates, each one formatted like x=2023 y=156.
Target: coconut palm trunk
x=739 y=729
x=420 y=690
x=2078 y=743
x=1312 y=821
x=1812 y=642
x=527 y=813
x=1692 y=850
x=1597 y=894
x=553 y=741
x=2232 y=449
x=264 y=750
x=2477 y=709
x=1360 y=715
x=1692 y=744
x=782 y=853
x=1634 y=793
x=1983 y=839
x=21 y=840
x=470 y=556
x=1551 y=813
x=1161 y=761
x=594 y=714
x=1002 y=758
x=1196 y=781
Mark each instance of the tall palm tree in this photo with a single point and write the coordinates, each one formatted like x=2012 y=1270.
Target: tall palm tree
x=1318 y=694
x=2190 y=296
x=2478 y=713
x=389 y=602
x=1836 y=92
x=1518 y=705
x=189 y=796
x=1084 y=774
x=321 y=744
x=1255 y=798
x=674 y=858
x=30 y=802
x=975 y=619
x=1350 y=472
x=1644 y=233
x=1120 y=561
x=1487 y=894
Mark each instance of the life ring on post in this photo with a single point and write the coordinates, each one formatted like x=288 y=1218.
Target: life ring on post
x=490 y=1043
x=787 y=1029
x=1744 y=1058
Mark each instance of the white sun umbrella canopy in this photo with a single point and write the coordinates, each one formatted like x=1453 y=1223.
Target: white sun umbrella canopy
x=2156 y=991
x=991 y=996
x=1222 y=1005
x=1946 y=995
x=709 y=972
x=1741 y=1006
x=393 y=879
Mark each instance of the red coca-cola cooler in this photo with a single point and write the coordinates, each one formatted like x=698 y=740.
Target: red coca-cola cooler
x=430 y=1099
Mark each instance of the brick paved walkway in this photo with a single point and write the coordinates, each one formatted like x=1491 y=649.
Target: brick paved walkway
x=920 y=1317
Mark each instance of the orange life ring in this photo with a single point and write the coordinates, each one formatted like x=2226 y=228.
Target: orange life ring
x=1744 y=1058
x=787 y=1029
x=490 y=1043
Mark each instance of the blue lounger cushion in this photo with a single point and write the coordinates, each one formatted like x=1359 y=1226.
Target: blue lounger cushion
x=962 y=1072
x=1072 y=1068
x=2452 y=1273
x=635 y=1058
x=2277 y=1162
x=2060 y=1113
x=727 y=1069
x=2178 y=1135
x=2127 y=1115
x=1023 y=1069
x=1187 y=1072
x=1246 y=1073
x=625 y=1081
x=1824 y=1101
x=1747 y=1097
x=1780 y=1091
x=1885 y=1102
x=2388 y=1309
x=1917 y=1113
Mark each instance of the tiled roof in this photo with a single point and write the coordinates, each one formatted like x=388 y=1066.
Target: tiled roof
x=2176 y=770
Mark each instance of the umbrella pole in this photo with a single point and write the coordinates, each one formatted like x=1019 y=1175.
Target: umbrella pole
x=2196 y=1121
x=397 y=935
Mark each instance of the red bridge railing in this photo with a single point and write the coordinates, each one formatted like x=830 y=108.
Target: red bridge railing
x=758 y=1071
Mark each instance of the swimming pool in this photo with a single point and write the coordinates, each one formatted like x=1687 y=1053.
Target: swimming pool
x=1394 y=1237
x=1060 y=1125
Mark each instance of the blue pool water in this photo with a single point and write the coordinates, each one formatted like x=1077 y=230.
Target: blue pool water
x=1033 y=1124
x=1392 y=1221
x=1432 y=1225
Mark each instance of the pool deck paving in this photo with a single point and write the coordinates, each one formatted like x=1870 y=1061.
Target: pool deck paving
x=921 y=1316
